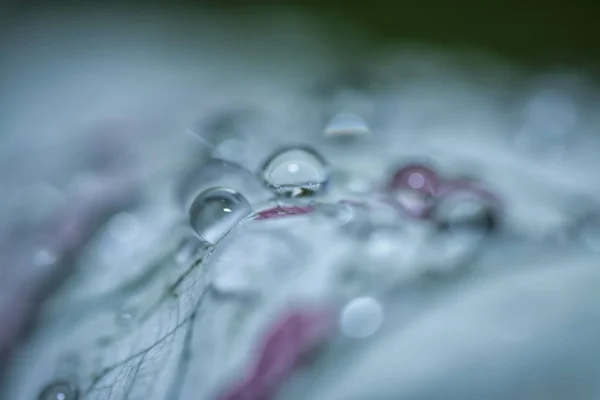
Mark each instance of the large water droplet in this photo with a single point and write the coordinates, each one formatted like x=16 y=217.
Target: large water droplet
x=216 y=211
x=59 y=390
x=361 y=317
x=295 y=172
x=346 y=124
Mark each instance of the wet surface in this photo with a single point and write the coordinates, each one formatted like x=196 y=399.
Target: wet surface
x=440 y=212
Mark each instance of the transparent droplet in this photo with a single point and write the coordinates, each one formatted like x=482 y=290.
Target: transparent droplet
x=59 y=390
x=361 y=317
x=341 y=214
x=216 y=211
x=346 y=124
x=295 y=172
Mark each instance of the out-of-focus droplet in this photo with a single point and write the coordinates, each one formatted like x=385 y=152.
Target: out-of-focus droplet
x=123 y=227
x=413 y=188
x=346 y=124
x=589 y=233
x=59 y=390
x=361 y=317
x=216 y=211
x=295 y=172
x=187 y=249
x=466 y=215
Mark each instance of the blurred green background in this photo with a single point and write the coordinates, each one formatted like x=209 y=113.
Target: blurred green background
x=529 y=31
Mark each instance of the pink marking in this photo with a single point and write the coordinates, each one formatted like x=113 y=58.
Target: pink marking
x=287 y=343
x=454 y=186
x=283 y=211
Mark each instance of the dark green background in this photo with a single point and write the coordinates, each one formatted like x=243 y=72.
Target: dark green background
x=531 y=32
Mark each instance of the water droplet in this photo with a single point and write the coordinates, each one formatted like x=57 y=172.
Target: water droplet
x=466 y=215
x=413 y=188
x=342 y=213
x=346 y=125
x=295 y=172
x=216 y=211
x=59 y=390
x=361 y=317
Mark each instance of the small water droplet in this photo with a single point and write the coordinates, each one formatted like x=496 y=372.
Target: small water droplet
x=216 y=211
x=346 y=125
x=361 y=317
x=59 y=390
x=295 y=172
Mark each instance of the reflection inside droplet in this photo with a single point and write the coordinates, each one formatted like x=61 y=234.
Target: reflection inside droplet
x=361 y=317
x=216 y=211
x=60 y=390
x=295 y=171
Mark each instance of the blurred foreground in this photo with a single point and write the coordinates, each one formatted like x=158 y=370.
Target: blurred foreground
x=199 y=213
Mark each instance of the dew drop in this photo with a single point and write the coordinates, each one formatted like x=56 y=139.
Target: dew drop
x=216 y=211
x=59 y=390
x=295 y=172
x=413 y=188
x=346 y=124
x=361 y=317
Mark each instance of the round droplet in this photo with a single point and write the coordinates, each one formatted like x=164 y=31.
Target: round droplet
x=216 y=211
x=295 y=172
x=60 y=390
x=413 y=188
x=361 y=317
x=346 y=124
